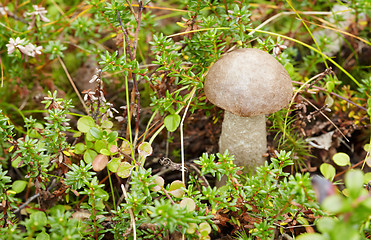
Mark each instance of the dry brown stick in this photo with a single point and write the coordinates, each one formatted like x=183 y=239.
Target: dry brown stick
x=73 y=84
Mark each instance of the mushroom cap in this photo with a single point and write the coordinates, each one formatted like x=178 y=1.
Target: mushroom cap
x=248 y=82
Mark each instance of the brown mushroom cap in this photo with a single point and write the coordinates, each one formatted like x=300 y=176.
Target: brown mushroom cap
x=248 y=82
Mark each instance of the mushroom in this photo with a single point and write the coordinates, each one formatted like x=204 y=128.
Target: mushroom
x=247 y=84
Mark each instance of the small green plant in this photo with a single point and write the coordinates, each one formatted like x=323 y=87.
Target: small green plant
x=349 y=215
x=84 y=167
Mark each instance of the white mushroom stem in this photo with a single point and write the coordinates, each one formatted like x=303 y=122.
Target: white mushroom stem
x=245 y=138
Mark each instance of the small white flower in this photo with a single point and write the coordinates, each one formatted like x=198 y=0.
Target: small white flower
x=277 y=50
x=24 y=50
x=89 y=95
x=114 y=109
x=109 y=112
x=3 y=10
x=38 y=49
x=119 y=118
x=38 y=11
x=93 y=79
x=102 y=98
x=29 y=49
x=13 y=44
x=33 y=50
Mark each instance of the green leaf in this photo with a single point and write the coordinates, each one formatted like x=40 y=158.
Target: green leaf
x=325 y=224
x=34 y=134
x=176 y=188
x=100 y=144
x=102 y=194
x=145 y=149
x=189 y=203
x=112 y=136
x=330 y=85
x=311 y=236
x=19 y=185
x=43 y=236
x=96 y=133
x=38 y=219
x=124 y=170
x=302 y=221
x=77 y=134
x=354 y=182
x=172 y=122
x=192 y=228
x=205 y=227
x=328 y=171
x=16 y=163
x=159 y=181
x=107 y=124
x=341 y=159
x=85 y=123
x=89 y=144
x=289 y=68
x=89 y=155
x=367 y=178
x=80 y=148
x=114 y=164
x=334 y=204
x=105 y=152
x=89 y=138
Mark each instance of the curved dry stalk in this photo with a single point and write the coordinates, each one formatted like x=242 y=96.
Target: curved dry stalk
x=287 y=13
x=328 y=119
x=181 y=133
x=73 y=84
x=132 y=217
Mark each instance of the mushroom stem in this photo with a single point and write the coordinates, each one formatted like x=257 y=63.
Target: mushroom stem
x=245 y=138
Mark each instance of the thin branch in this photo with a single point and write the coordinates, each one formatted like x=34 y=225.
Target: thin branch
x=287 y=13
x=132 y=217
x=132 y=55
x=33 y=198
x=139 y=20
x=125 y=34
x=333 y=124
x=334 y=94
x=2 y=72
x=199 y=174
x=131 y=9
x=73 y=84
x=181 y=133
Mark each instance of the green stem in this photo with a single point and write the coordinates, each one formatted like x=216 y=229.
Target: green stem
x=311 y=48
x=310 y=33
x=111 y=186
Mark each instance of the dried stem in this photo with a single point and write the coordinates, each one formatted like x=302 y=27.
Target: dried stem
x=334 y=94
x=127 y=40
x=72 y=83
x=132 y=55
x=132 y=217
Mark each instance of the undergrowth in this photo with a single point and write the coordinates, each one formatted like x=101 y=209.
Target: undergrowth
x=106 y=132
